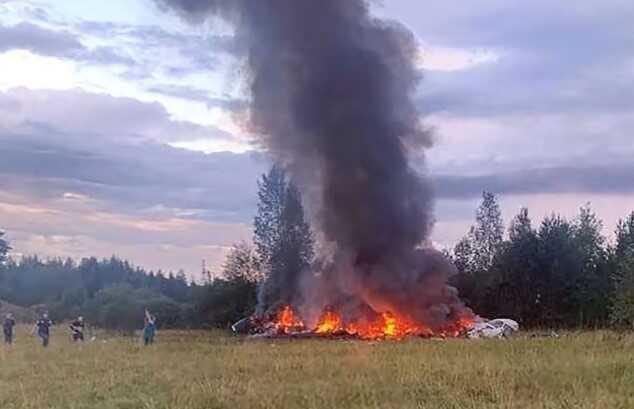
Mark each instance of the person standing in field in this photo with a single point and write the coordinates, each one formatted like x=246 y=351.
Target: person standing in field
x=8 y=327
x=149 y=328
x=77 y=329
x=43 y=328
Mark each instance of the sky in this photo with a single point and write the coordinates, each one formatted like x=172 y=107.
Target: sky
x=119 y=123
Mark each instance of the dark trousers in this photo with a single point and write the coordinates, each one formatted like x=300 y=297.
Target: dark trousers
x=78 y=336
x=44 y=339
x=8 y=338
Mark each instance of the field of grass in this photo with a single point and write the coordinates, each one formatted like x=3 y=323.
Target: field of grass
x=214 y=370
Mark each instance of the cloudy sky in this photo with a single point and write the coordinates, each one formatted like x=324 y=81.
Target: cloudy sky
x=119 y=123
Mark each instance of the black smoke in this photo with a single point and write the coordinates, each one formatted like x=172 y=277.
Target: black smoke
x=332 y=98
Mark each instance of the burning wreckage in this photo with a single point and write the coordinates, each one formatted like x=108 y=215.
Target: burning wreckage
x=286 y=323
x=337 y=109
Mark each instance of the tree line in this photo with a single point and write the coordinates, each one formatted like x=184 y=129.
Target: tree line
x=110 y=292
x=561 y=273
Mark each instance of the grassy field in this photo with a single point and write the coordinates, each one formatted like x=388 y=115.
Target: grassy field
x=205 y=370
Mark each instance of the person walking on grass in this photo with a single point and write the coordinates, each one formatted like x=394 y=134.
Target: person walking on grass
x=43 y=328
x=149 y=328
x=8 y=327
x=77 y=329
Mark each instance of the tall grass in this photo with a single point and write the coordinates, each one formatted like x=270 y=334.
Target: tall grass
x=213 y=370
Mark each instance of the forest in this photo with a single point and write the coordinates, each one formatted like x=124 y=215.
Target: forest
x=559 y=274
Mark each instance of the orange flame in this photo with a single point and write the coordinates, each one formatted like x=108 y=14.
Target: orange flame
x=386 y=325
x=391 y=325
x=330 y=322
x=287 y=322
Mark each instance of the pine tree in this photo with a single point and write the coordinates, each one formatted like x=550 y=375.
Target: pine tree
x=268 y=221
x=622 y=312
x=297 y=239
x=283 y=239
x=474 y=254
x=476 y=251
x=488 y=232
x=463 y=254
x=515 y=293
x=625 y=236
x=592 y=285
x=587 y=231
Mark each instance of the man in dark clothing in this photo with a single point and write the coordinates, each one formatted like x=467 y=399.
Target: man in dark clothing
x=7 y=328
x=77 y=329
x=43 y=328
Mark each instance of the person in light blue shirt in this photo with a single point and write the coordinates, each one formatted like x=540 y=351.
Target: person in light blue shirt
x=149 y=329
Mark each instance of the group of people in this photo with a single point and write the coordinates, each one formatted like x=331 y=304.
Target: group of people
x=43 y=326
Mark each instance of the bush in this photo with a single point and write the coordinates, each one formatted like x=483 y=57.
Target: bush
x=224 y=302
x=121 y=308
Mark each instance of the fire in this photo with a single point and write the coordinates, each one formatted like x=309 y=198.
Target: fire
x=391 y=325
x=330 y=322
x=459 y=327
x=287 y=321
x=386 y=325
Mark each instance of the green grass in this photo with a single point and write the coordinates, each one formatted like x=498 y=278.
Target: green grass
x=205 y=370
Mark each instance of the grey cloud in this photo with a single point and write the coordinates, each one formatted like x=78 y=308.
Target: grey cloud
x=150 y=37
x=160 y=180
x=146 y=179
x=580 y=179
x=139 y=48
x=26 y=9
x=554 y=56
x=200 y=95
x=39 y=40
x=113 y=149
x=38 y=13
x=107 y=55
x=155 y=36
x=56 y=43
x=535 y=25
x=560 y=97
x=518 y=85
x=86 y=118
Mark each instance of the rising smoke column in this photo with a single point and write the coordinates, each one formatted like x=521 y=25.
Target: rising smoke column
x=331 y=98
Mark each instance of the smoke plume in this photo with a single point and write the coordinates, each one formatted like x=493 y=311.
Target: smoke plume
x=331 y=98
